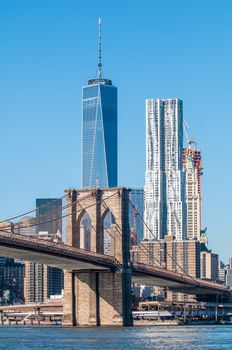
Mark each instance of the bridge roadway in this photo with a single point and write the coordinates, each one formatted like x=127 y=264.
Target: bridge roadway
x=70 y=258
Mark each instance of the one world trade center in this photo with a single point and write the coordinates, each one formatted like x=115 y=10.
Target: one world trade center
x=99 y=130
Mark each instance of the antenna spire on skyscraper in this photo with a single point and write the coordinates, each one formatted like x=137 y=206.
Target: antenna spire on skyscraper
x=99 y=79
x=99 y=50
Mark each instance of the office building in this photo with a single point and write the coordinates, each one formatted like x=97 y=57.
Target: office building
x=230 y=263
x=24 y=227
x=151 y=253
x=229 y=274
x=193 y=170
x=183 y=256
x=11 y=281
x=11 y=276
x=209 y=265
x=99 y=131
x=222 y=272
x=136 y=214
x=165 y=205
x=177 y=256
x=229 y=278
x=48 y=215
x=41 y=281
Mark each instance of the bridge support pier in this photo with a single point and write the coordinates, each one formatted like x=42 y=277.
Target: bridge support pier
x=98 y=299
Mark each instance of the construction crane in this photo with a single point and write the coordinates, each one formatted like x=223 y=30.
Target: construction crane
x=190 y=140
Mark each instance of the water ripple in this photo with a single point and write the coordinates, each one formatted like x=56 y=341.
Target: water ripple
x=139 y=338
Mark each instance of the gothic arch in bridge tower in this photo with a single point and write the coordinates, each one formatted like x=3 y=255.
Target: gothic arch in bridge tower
x=97 y=203
x=109 y=230
x=85 y=227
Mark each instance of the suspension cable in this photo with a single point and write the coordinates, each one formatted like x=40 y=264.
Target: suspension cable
x=154 y=258
x=34 y=221
x=32 y=211
x=72 y=212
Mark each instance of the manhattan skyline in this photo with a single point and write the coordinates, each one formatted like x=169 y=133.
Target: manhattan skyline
x=40 y=93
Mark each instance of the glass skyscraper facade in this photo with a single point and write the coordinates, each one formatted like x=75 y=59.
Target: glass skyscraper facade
x=48 y=215
x=135 y=217
x=99 y=130
x=99 y=134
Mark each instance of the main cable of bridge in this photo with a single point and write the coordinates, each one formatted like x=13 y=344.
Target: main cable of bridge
x=169 y=255
x=78 y=201
x=4 y=229
x=37 y=220
x=34 y=222
x=33 y=210
x=119 y=229
x=72 y=212
x=75 y=211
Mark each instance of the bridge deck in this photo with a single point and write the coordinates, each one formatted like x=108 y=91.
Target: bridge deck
x=53 y=254
x=70 y=258
x=156 y=276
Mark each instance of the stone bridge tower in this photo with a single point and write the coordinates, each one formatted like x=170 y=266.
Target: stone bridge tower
x=99 y=297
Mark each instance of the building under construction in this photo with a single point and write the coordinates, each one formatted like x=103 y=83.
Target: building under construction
x=192 y=166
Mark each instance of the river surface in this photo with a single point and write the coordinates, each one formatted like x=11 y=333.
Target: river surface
x=170 y=337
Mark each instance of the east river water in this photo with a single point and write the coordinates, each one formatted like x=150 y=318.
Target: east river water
x=171 y=337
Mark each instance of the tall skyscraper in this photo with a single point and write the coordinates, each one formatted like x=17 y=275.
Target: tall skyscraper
x=99 y=130
x=193 y=170
x=154 y=190
x=165 y=205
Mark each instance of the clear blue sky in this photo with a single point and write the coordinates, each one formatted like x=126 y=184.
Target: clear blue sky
x=48 y=50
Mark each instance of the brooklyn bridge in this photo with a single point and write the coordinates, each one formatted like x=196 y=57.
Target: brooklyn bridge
x=98 y=284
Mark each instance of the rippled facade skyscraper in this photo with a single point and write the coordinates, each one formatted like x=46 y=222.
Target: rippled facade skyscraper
x=164 y=191
x=99 y=131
